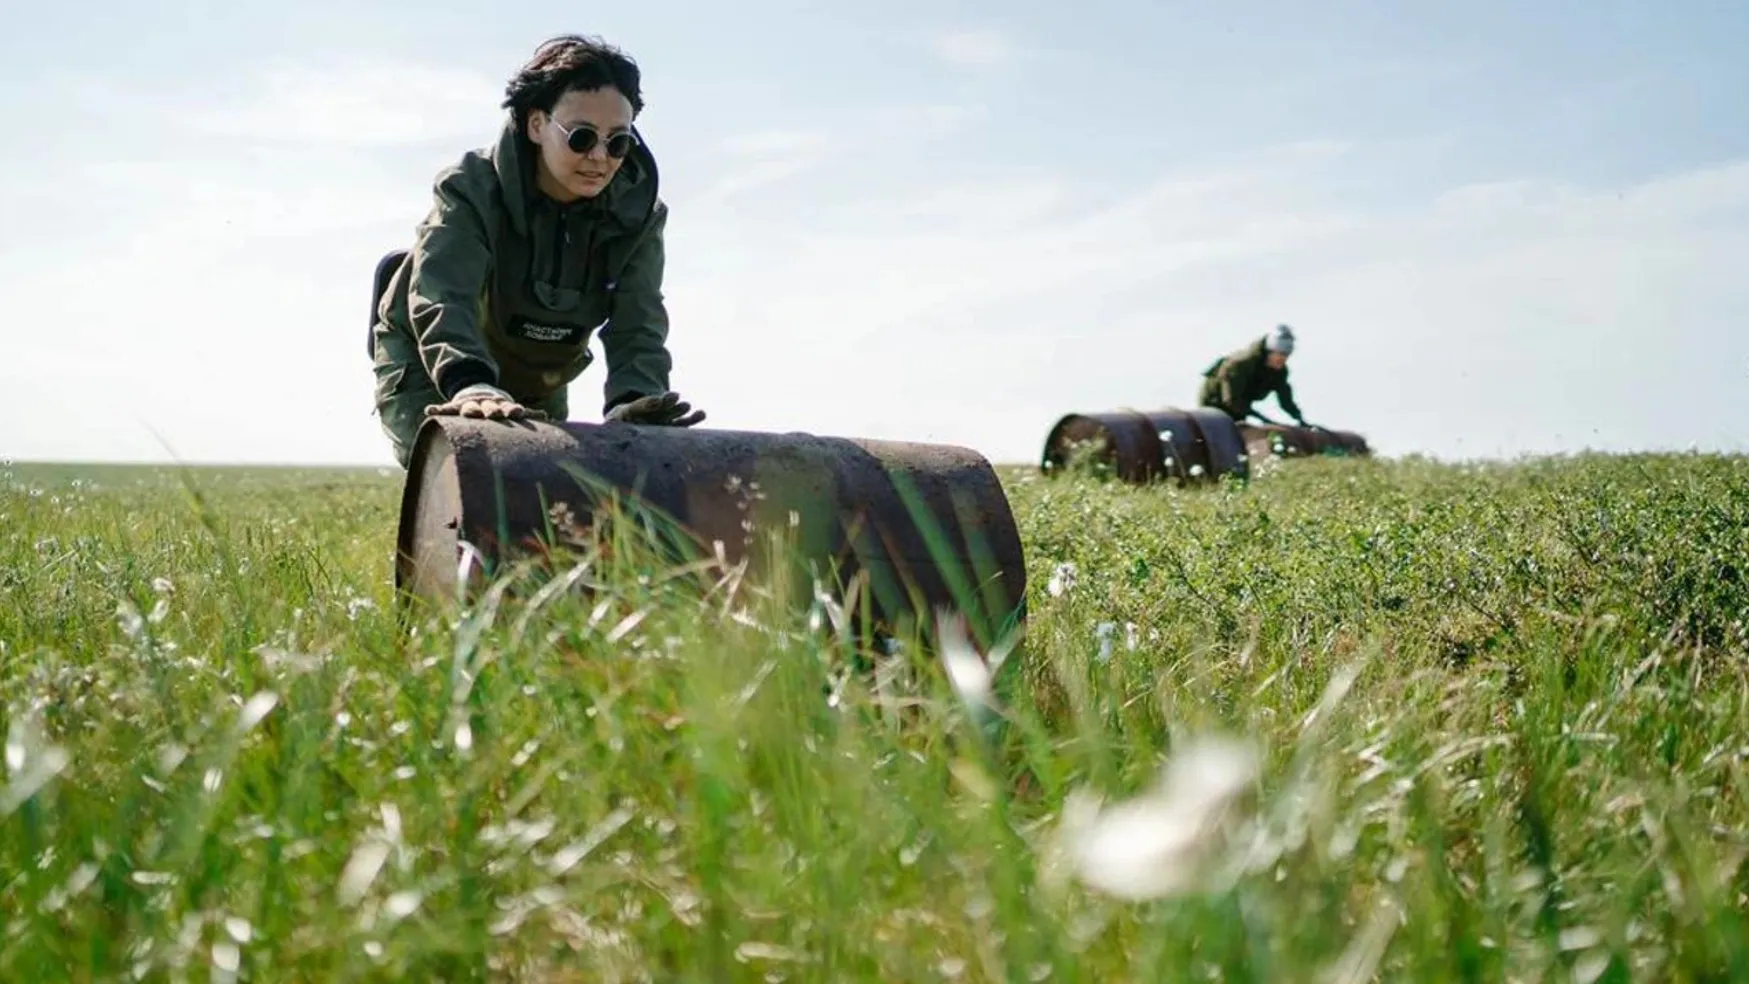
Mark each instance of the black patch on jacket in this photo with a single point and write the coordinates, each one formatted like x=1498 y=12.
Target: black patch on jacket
x=535 y=331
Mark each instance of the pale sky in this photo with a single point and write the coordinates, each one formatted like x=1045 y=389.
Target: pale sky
x=1497 y=227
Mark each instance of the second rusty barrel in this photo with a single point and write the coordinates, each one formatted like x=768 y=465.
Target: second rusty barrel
x=1189 y=447
x=928 y=526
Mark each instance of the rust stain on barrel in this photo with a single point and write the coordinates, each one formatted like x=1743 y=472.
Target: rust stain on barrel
x=866 y=506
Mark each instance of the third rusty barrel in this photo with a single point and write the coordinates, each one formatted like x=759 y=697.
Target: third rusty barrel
x=1189 y=447
x=1289 y=441
x=926 y=526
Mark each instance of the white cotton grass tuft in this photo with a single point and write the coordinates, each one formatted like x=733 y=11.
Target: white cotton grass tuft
x=361 y=870
x=31 y=760
x=255 y=710
x=1162 y=842
x=1103 y=632
x=971 y=673
x=966 y=670
x=1062 y=580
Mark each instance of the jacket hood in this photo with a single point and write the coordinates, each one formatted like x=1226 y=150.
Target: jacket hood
x=628 y=200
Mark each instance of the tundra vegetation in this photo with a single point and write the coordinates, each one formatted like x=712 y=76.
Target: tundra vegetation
x=1353 y=720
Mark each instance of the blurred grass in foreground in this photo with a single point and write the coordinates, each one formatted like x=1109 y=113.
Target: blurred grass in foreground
x=1429 y=722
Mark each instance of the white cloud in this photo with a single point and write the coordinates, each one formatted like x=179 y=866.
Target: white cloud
x=766 y=143
x=772 y=159
x=981 y=47
x=767 y=157
x=358 y=102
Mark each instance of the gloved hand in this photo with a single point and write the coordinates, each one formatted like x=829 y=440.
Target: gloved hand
x=666 y=410
x=484 y=400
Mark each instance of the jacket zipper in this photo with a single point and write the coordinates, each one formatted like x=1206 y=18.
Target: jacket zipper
x=561 y=238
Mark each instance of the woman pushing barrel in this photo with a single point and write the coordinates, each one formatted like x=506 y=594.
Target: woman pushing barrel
x=531 y=248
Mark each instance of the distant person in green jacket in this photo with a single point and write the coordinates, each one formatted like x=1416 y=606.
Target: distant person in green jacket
x=532 y=246
x=1243 y=377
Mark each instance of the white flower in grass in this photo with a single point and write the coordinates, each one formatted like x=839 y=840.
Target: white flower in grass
x=1160 y=843
x=32 y=761
x=1062 y=580
x=965 y=668
x=1103 y=633
x=971 y=673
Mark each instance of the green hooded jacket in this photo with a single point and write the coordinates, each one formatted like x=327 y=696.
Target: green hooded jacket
x=1243 y=377
x=506 y=286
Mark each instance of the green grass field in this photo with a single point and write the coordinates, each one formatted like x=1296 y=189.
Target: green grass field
x=1429 y=722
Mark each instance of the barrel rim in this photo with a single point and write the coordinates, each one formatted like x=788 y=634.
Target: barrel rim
x=433 y=437
x=412 y=489
x=1152 y=453
x=1047 y=458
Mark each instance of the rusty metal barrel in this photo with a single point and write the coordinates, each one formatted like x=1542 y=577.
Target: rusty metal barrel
x=925 y=526
x=1289 y=441
x=1189 y=447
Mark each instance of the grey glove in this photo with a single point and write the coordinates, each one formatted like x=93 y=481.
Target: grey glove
x=484 y=400
x=666 y=410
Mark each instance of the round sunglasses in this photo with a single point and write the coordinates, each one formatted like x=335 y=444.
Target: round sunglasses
x=582 y=139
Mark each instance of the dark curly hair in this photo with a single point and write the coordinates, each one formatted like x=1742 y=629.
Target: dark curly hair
x=568 y=63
